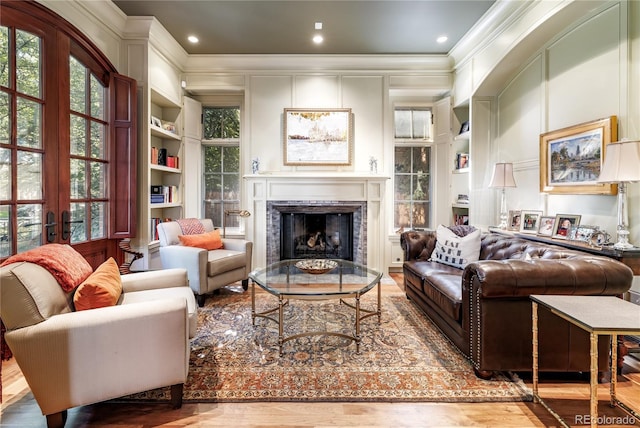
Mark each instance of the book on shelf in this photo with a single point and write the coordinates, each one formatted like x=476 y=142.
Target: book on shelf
x=154 y=155
x=155 y=221
x=172 y=161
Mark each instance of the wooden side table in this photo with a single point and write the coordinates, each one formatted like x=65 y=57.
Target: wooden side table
x=598 y=315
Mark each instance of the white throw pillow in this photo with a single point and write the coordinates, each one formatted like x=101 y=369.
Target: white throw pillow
x=454 y=250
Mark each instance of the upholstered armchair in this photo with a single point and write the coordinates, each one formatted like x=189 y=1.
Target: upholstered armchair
x=71 y=357
x=208 y=270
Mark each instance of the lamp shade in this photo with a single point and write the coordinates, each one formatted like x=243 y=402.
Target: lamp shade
x=621 y=163
x=502 y=175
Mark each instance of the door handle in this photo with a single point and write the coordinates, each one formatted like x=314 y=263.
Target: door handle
x=51 y=227
x=66 y=224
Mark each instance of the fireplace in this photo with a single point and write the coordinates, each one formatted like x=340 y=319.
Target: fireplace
x=326 y=229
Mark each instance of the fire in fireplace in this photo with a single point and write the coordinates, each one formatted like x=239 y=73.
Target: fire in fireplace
x=317 y=236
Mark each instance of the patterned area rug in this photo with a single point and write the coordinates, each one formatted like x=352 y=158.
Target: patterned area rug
x=405 y=358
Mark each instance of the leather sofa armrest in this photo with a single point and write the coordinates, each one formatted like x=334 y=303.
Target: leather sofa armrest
x=521 y=278
x=418 y=245
x=154 y=279
x=124 y=349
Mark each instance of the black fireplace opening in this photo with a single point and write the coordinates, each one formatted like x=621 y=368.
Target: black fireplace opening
x=316 y=235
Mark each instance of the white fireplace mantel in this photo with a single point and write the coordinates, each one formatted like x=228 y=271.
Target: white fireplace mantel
x=317 y=186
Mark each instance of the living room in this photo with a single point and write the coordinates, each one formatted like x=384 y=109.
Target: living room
x=527 y=68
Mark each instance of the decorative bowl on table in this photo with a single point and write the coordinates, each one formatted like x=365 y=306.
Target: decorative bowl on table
x=316 y=266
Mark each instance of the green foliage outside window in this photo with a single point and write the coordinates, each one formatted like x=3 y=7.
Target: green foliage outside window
x=221 y=163
x=220 y=123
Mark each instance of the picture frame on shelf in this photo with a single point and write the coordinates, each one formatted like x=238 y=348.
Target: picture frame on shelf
x=546 y=224
x=514 y=220
x=464 y=127
x=318 y=136
x=462 y=160
x=563 y=224
x=584 y=232
x=156 y=122
x=530 y=221
x=571 y=158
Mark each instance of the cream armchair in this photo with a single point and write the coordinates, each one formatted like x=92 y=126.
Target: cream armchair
x=72 y=358
x=208 y=270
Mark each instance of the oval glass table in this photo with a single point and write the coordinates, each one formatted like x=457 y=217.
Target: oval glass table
x=318 y=279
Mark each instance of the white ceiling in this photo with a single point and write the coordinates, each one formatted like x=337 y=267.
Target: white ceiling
x=358 y=27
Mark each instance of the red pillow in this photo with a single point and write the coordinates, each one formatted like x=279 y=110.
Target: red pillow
x=208 y=241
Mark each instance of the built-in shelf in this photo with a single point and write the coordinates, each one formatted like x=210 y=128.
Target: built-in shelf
x=461 y=171
x=159 y=132
x=463 y=137
x=162 y=206
x=165 y=168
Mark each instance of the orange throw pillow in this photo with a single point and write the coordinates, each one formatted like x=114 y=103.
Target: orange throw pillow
x=208 y=241
x=102 y=288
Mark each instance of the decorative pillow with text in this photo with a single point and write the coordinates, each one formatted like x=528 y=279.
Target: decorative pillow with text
x=454 y=250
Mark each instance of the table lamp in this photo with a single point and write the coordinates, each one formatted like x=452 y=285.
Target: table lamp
x=621 y=165
x=227 y=213
x=503 y=178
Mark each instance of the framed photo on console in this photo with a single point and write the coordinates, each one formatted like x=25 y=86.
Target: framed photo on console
x=317 y=136
x=563 y=225
x=530 y=221
x=513 y=221
x=546 y=225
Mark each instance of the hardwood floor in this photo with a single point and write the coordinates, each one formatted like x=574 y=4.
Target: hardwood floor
x=568 y=395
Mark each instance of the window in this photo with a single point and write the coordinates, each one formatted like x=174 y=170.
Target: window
x=412 y=168
x=89 y=166
x=221 y=163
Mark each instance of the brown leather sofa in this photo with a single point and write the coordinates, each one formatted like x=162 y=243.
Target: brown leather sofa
x=485 y=309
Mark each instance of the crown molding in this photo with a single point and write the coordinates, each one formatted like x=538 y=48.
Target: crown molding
x=424 y=64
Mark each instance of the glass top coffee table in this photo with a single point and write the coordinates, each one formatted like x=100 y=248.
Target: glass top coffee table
x=317 y=279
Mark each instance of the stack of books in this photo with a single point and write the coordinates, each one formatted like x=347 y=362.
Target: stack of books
x=157 y=195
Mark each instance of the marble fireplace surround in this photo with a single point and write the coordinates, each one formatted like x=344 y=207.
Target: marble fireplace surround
x=266 y=190
x=275 y=210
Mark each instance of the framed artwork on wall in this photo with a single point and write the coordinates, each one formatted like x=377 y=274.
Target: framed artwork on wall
x=571 y=158
x=318 y=136
x=530 y=221
x=563 y=225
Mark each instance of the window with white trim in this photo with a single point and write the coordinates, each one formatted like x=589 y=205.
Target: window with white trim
x=412 y=167
x=221 y=163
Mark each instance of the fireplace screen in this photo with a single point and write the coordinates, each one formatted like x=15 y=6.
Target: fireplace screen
x=317 y=235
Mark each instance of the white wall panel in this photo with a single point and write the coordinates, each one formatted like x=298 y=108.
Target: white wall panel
x=364 y=96
x=584 y=72
x=316 y=92
x=268 y=97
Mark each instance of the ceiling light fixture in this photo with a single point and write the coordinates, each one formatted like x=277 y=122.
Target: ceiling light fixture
x=193 y=39
x=442 y=39
x=317 y=39
x=318 y=25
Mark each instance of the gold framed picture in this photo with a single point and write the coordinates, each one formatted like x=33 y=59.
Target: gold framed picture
x=571 y=158
x=318 y=136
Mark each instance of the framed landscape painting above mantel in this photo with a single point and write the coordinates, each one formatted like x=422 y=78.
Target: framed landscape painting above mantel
x=571 y=158
x=318 y=136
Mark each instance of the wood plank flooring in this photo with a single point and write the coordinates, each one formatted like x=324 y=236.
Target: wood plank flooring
x=568 y=396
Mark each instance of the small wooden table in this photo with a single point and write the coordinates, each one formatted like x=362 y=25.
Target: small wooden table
x=598 y=315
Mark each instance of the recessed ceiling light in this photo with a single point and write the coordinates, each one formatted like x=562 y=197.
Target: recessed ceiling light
x=193 y=39
x=318 y=25
x=442 y=39
x=317 y=39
